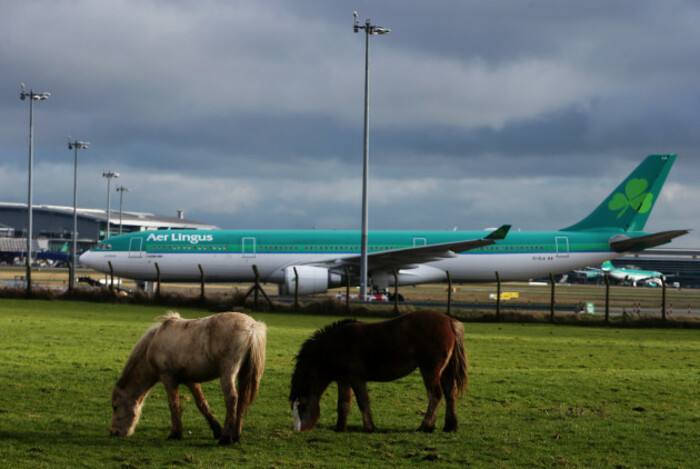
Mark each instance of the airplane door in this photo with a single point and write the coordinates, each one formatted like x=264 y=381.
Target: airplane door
x=248 y=247
x=562 y=243
x=135 y=245
x=419 y=242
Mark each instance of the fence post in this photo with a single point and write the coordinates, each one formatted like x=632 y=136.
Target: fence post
x=663 y=299
x=498 y=296
x=201 y=279
x=551 y=306
x=158 y=280
x=257 y=289
x=296 y=290
x=347 y=288
x=449 y=293
x=607 y=297
x=396 y=292
x=111 y=276
x=71 y=277
x=28 y=263
x=256 y=293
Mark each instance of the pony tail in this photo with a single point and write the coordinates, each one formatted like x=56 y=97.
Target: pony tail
x=458 y=361
x=253 y=365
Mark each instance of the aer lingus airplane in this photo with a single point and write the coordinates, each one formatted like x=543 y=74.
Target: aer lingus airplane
x=325 y=259
x=648 y=277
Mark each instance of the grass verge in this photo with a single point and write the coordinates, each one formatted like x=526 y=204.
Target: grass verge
x=540 y=395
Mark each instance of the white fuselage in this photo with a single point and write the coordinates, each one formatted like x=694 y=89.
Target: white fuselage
x=228 y=267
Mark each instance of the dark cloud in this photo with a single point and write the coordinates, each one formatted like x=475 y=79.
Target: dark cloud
x=250 y=113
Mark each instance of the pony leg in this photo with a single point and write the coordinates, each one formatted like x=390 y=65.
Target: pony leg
x=450 y=391
x=244 y=399
x=203 y=407
x=362 y=397
x=344 y=399
x=171 y=388
x=431 y=379
x=228 y=435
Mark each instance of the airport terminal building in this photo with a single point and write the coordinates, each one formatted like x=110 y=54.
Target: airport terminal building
x=53 y=227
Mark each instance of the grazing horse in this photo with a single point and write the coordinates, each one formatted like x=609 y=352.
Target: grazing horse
x=351 y=353
x=180 y=351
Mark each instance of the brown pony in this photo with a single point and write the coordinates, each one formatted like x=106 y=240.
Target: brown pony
x=180 y=351
x=351 y=353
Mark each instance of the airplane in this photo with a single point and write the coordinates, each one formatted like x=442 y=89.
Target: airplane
x=648 y=277
x=316 y=260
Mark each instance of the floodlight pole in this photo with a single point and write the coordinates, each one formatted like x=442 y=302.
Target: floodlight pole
x=32 y=97
x=121 y=190
x=109 y=175
x=75 y=145
x=370 y=29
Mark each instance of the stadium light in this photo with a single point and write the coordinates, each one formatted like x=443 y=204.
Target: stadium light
x=121 y=190
x=32 y=97
x=75 y=145
x=109 y=175
x=370 y=30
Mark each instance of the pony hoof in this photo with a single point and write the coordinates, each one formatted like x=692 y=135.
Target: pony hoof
x=175 y=436
x=217 y=432
x=450 y=429
x=426 y=429
x=227 y=440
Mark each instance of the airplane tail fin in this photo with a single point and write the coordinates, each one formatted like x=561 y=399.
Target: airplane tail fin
x=629 y=205
x=607 y=265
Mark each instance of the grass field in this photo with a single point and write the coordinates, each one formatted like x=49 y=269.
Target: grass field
x=540 y=396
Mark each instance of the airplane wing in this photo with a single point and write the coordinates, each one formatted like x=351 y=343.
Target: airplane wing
x=410 y=257
x=624 y=243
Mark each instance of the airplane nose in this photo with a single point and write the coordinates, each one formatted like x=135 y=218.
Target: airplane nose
x=86 y=258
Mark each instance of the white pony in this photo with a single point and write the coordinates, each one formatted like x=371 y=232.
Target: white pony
x=180 y=351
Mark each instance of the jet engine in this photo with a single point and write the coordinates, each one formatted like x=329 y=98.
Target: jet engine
x=310 y=279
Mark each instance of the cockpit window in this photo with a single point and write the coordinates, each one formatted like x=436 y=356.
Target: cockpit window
x=104 y=247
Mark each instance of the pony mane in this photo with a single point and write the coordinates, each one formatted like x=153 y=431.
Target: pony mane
x=141 y=346
x=311 y=353
x=168 y=316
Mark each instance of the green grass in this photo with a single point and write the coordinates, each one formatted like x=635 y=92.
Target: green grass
x=539 y=396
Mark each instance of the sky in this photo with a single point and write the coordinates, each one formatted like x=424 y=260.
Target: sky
x=249 y=114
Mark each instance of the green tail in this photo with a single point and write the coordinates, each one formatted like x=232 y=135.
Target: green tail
x=628 y=207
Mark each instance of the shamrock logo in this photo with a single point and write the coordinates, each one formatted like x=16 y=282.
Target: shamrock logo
x=634 y=196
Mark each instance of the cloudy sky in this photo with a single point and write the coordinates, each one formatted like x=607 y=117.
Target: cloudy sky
x=249 y=114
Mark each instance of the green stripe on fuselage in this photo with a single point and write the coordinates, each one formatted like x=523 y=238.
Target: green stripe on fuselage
x=348 y=242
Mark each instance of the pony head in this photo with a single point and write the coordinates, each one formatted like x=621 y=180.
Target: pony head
x=126 y=413
x=311 y=376
x=133 y=385
x=306 y=413
x=305 y=401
